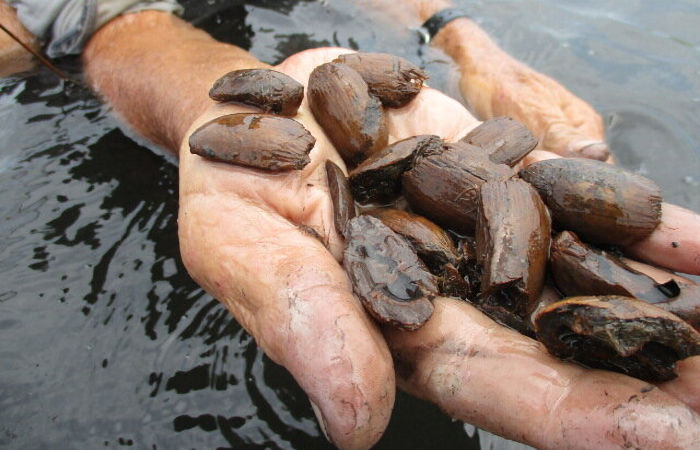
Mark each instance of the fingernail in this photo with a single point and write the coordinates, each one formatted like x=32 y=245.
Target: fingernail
x=595 y=150
x=320 y=419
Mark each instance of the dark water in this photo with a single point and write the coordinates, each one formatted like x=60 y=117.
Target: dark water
x=104 y=339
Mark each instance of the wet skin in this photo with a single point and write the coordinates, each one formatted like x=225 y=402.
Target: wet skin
x=240 y=239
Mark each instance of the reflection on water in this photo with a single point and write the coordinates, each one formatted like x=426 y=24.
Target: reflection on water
x=104 y=339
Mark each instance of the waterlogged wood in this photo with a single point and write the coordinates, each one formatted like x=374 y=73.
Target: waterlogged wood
x=601 y=203
x=343 y=203
x=505 y=139
x=261 y=141
x=378 y=178
x=461 y=361
x=433 y=245
x=454 y=284
x=394 y=80
x=269 y=90
x=686 y=305
x=393 y=284
x=512 y=245
x=351 y=117
x=617 y=333
x=468 y=266
x=444 y=186
x=578 y=269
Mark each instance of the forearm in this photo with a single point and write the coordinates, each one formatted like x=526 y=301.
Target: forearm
x=156 y=71
x=475 y=54
x=484 y=68
x=14 y=58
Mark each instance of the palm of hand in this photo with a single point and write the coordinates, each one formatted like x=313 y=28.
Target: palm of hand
x=241 y=240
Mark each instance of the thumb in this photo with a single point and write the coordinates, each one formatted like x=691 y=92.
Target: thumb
x=289 y=292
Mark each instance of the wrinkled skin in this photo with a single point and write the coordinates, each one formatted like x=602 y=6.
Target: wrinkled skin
x=240 y=240
x=486 y=374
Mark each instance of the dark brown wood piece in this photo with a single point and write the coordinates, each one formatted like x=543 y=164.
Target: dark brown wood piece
x=343 y=203
x=352 y=118
x=271 y=91
x=378 y=178
x=394 y=80
x=260 y=141
x=393 y=284
x=601 y=203
x=617 y=333
x=432 y=243
x=512 y=245
x=444 y=186
x=505 y=139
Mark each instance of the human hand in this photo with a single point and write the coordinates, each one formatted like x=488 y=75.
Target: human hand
x=495 y=84
x=240 y=239
x=245 y=237
x=486 y=374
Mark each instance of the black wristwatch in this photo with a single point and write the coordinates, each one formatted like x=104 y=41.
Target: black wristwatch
x=434 y=24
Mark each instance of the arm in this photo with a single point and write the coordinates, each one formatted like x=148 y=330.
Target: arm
x=14 y=58
x=156 y=70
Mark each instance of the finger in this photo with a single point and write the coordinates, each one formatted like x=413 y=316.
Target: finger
x=658 y=274
x=674 y=244
x=562 y=123
x=495 y=84
x=563 y=139
x=499 y=380
x=687 y=386
x=541 y=155
x=537 y=155
x=288 y=291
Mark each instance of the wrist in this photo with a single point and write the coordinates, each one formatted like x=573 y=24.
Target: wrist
x=462 y=39
x=441 y=19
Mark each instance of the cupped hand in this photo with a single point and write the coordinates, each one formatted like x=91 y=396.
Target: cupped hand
x=265 y=246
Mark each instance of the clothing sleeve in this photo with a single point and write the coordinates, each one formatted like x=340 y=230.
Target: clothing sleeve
x=65 y=26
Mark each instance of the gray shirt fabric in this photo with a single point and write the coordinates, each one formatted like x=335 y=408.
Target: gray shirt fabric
x=66 y=25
